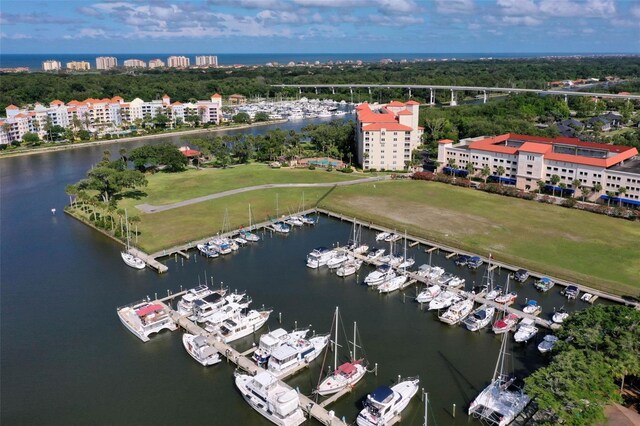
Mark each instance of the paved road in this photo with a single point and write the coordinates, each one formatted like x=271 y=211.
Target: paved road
x=149 y=208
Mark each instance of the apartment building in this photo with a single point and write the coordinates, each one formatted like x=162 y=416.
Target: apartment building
x=51 y=65
x=156 y=63
x=529 y=159
x=134 y=63
x=106 y=62
x=207 y=61
x=78 y=66
x=387 y=134
x=178 y=62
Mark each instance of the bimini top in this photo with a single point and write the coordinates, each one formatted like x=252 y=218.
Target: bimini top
x=347 y=368
x=532 y=303
x=149 y=309
x=545 y=280
x=381 y=394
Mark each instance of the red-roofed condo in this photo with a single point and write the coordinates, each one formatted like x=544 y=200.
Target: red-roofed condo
x=387 y=134
x=529 y=159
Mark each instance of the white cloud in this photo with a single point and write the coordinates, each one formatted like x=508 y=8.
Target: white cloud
x=87 y=33
x=88 y=11
x=15 y=36
x=517 y=7
x=521 y=20
x=395 y=21
x=451 y=7
x=635 y=11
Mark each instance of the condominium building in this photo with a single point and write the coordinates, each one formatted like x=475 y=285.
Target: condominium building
x=156 y=63
x=78 y=66
x=178 y=62
x=134 y=63
x=523 y=161
x=51 y=65
x=207 y=61
x=106 y=62
x=387 y=134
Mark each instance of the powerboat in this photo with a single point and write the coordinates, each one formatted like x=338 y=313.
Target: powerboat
x=392 y=237
x=505 y=324
x=357 y=248
x=461 y=260
x=493 y=293
x=423 y=270
x=204 y=307
x=392 y=284
x=455 y=282
x=544 y=284
x=186 y=303
x=319 y=257
x=375 y=253
x=526 y=330
x=349 y=267
x=547 y=344
x=435 y=272
x=560 y=316
x=507 y=298
x=230 y=310
x=444 y=279
x=145 y=318
x=208 y=250
x=287 y=357
x=281 y=227
x=249 y=236
x=271 y=398
x=380 y=275
x=200 y=350
x=308 y=220
x=407 y=263
x=444 y=300
x=295 y=220
x=480 y=318
x=338 y=259
x=571 y=292
x=521 y=275
x=428 y=294
x=385 y=403
x=243 y=325
x=221 y=245
x=133 y=261
x=274 y=339
x=474 y=262
x=532 y=308
x=457 y=312
x=382 y=236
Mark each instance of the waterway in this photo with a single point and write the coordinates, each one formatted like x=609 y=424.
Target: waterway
x=66 y=359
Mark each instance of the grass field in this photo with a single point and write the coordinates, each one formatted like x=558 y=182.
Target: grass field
x=166 y=188
x=592 y=249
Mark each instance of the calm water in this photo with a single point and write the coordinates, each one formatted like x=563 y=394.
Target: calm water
x=66 y=359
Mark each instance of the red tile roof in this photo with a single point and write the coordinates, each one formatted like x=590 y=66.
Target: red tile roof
x=216 y=95
x=537 y=148
x=405 y=112
x=443 y=141
x=395 y=104
x=190 y=153
x=412 y=102
x=12 y=107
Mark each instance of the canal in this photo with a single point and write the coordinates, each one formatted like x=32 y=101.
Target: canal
x=66 y=359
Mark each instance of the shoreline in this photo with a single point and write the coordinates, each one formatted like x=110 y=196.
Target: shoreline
x=135 y=138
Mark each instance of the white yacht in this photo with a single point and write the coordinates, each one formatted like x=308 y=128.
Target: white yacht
x=392 y=237
x=281 y=227
x=338 y=259
x=560 y=316
x=380 y=275
x=133 y=261
x=319 y=257
x=145 y=318
x=249 y=236
x=295 y=220
x=526 y=330
x=271 y=398
x=532 y=308
x=208 y=250
x=375 y=253
x=455 y=282
x=493 y=293
x=457 y=312
x=444 y=300
x=186 y=302
x=423 y=270
x=206 y=306
x=435 y=272
x=548 y=342
x=505 y=324
x=428 y=294
x=382 y=236
x=243 y=325
x=350 y=267
x=290 y=355
x=200 y=350
x=407 y=263
x=392 y=284
x=272 y=340
x=385 y=403
x=480 y=318
x=230 y=310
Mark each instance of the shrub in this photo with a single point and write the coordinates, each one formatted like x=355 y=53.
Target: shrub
x=422 y=176
x=346 y=169
x=371 y=170
x=568 y=202
x=330 y=168
x=312 y=167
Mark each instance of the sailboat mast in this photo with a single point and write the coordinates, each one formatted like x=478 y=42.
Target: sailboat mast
x=354 y=340
x=126 y=221
x=335 y=345
x=426 y=404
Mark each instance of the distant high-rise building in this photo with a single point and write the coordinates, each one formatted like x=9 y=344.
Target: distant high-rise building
x=106 y=62
x=178 y=62
x=134 y=63
x=207 y=61
x=51 y=65
x=78 y=66
x=156 y=63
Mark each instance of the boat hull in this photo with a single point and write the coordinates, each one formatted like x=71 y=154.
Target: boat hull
x=335 y=383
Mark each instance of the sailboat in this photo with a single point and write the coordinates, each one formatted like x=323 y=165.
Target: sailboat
x=279 y=225
x=500 y=402
x=406 y=263
x=127 y=257
x=344 y=375
x=247 y=234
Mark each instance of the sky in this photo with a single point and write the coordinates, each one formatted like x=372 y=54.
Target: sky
x=320 y=26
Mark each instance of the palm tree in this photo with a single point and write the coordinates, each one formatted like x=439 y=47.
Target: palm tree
x=597 y=188
x=576 y=185
x=486 y=172
x=586 y=191
x=562 y=186
x=451 y=163
x=470 y=169
x=500 y=171
x=72 y=192
x=554 y=181
x=621 y=191
x=610 y=195
x=541 y=185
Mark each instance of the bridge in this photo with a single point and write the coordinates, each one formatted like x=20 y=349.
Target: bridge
x=433 y=87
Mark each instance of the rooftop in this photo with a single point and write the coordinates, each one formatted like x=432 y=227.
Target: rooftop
x=629 y=166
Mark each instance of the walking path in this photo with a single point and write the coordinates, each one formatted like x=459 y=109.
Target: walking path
x=149 y=208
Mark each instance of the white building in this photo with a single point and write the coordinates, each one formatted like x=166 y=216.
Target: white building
x=78 y=66
x=207 y=61
x=178 y=62
x=51 y=65
x=106 y=62
x=387 y=134
x=134 y=63
x=156 y=63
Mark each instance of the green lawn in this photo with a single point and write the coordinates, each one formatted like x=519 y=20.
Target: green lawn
x=167 y=188
x=588 y=248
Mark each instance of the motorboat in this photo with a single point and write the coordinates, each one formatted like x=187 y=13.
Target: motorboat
x=392 y=284
x=526 y=330
x=428 y=294
x=435 y=272
x=406 y=263
x=571 y=292
x=349 y=267
x=385 y=403
x=461 y=260
x=587 y=297
x=392 y=237
x=507 y=298
x=133 y=261
x=308 y=220
x=444 y=300
x=240 y=241
x=295 y=220
x=208 y=250
x=249 y=236
x=455 y=282
x=391 y=259
x=493 y=293
x=185 y=305
x=206 y=306
x=145 y=318
x=200 y=350
x=457 y=312
x=505 y=324
x=444 y=279
x=382 y=236
x=547 y=344
x=221 y=245
x=243 y=325
x=521 y=275
x=544 y=284
x=271 y=398
x=338 y=259
x=319 y=257
x=288 y=356
x=423 y=270
x=380 y=275
x=274 y=339
x=281 y=227
x=375 y=253
x=532 y=308
x=474 y=262
x=357 y=248
x=230 y=310
x=480 y=318
x=560 y=316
